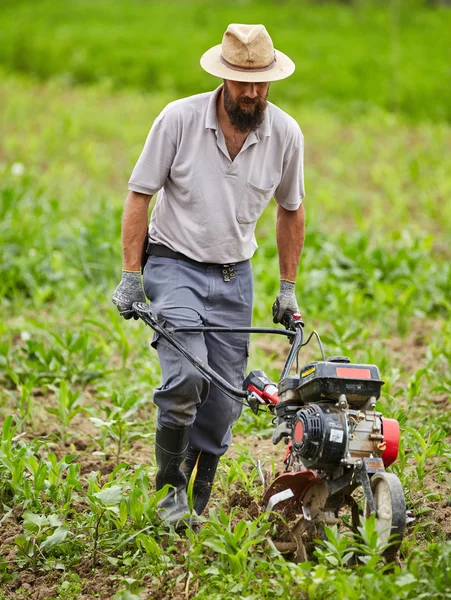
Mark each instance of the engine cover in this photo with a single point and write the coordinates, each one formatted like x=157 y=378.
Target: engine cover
x=325 y=435
x=319 y=436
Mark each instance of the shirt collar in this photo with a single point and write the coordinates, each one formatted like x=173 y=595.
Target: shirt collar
x=211 y=118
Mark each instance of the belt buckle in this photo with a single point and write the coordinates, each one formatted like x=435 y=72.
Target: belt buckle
x=228 y=271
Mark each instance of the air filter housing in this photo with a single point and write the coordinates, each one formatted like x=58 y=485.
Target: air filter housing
x=328 y=380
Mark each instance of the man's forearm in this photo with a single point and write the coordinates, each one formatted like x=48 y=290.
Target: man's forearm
x=134 y=230
x=290 y=240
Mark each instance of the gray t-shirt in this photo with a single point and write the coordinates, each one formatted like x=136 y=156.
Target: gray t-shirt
x=208 y=205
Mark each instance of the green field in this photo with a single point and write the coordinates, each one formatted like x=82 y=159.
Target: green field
x=80 y=85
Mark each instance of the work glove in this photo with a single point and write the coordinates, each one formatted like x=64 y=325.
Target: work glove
x=128 y=291
x=286 y=301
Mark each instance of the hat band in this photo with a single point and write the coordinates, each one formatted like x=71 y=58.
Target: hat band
x=248 y=69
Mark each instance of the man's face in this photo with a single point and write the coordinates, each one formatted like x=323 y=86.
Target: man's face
x=245 y=104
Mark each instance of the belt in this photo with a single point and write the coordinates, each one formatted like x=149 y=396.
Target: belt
x=227 y=270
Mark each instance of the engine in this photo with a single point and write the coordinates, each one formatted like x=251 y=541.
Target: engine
x=319 y=435
x=328 y=416
x=325 y=436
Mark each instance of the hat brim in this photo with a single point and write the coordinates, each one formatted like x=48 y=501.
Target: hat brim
x=211 y=62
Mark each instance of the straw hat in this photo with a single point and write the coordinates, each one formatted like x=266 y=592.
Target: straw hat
x=247 y=54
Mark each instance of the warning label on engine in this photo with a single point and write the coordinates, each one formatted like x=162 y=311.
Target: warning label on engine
x=308 y=372
x=336 y=435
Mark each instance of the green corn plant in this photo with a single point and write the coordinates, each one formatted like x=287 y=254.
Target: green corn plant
x=433 y=571
x=39 y=474
x=151 y=548
x=14 y=457
x=404 y=302
x=26 y=475
x=70 y=356
x=142 y=502
x=68 y=407
x=424 y=448
x=125 y=518
x=136 y=507
x=232 y=471
x=336 y=550
x=139 y=523
x=22 y=397
x=46 y=363
x=128 y=594
x=119 y=426
x=116 y=332
x=415 y=385
x=63 y=477
x=233 y=543
x=367 y=545
x=343 y=334
x=71 y=587
x=81 y=361
x=258 y=425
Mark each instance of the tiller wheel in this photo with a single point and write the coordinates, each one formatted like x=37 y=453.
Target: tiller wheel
x=390 y=508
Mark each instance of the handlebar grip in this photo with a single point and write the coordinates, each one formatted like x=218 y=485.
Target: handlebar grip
x=289 y=320
x=292 y=320
x=141 y=309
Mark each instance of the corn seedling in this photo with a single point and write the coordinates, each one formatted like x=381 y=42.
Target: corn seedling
x=118 y=426
x=233 y=472
x=68 y=407
x=233 y=543
x=425 y=450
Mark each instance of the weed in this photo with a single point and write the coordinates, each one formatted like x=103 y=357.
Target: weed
x=41 y=533
x=102 y=501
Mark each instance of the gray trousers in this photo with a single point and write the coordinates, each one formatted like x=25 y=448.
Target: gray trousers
x=184 y=294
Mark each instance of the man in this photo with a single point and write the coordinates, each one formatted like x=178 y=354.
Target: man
x=216 y=160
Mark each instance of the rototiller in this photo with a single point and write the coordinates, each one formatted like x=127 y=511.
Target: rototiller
x=335 y=439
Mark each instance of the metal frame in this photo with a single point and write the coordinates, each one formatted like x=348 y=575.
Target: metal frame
x=296 y=336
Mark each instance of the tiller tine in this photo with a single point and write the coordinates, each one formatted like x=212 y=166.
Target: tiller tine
x=289 y=487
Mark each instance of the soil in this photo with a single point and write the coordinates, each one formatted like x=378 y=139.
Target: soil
x=439 y=509
x=242 y=500
x=409 y=353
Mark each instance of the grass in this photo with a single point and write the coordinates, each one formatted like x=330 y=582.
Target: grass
x=76 y=465
x=349 y=56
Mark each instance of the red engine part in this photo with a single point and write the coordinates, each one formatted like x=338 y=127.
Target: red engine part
x=287 y=452
x=268 y=394
x=392 y=436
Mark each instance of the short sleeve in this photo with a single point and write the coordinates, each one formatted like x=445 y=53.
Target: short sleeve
x=154 y=164
x=290 y=191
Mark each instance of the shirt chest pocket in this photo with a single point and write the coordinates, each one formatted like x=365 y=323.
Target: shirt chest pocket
x=252 y=203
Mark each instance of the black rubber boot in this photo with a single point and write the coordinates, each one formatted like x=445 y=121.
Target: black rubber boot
x=206 y=470
x=171 y=444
